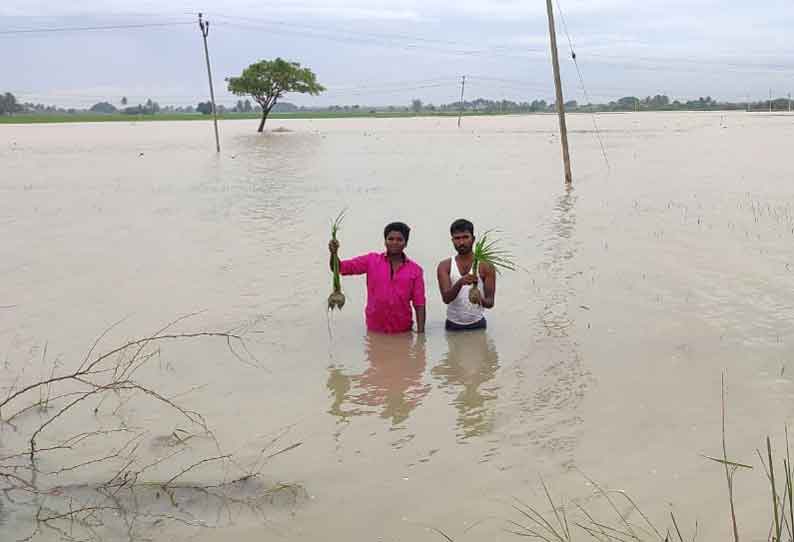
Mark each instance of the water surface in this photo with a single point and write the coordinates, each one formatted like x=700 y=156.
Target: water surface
x=604 y=353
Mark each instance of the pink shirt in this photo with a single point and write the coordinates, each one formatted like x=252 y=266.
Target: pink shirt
x=388 y=298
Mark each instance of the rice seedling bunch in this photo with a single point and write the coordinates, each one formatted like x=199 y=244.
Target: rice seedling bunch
x=488 y=250
x=337 y=299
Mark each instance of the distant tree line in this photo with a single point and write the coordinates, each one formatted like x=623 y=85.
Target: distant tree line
x=10 y=105
x=658 y=102
x=205 y=108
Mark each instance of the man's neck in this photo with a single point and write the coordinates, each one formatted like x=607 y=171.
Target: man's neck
x=396 y=257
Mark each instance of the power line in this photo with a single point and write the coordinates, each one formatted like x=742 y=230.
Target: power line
x=385 y=87
x=351 y=36
x=695 y=61
x=386 y=40
x=482 y=83
x=91 y=28
x=354 y=32
x=390 y=84
x=469 y=48
x=419 y=43
x=350 y=91
x=581 y=82
x=472 y=50
x=395 y=90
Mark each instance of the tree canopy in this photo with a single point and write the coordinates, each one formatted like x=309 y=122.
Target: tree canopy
x=103 y=107
x=205 y=108
x=268 y=80
x=9 y=104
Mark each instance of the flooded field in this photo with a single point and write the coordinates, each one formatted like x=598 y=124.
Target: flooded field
x=603 y=357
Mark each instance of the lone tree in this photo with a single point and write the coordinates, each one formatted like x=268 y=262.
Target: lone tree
x=268 y=80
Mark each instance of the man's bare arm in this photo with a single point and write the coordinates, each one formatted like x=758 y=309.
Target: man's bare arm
x=421 y=316
x=448 y=290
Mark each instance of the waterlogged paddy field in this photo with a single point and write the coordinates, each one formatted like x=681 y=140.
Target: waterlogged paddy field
x=603 y=356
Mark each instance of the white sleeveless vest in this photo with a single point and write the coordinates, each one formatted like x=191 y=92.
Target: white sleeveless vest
x=462 y=311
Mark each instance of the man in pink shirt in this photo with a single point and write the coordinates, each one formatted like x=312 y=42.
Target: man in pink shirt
x=394 y=283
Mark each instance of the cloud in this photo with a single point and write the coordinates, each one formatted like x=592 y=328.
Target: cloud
x=327 y=9
x=624 y=47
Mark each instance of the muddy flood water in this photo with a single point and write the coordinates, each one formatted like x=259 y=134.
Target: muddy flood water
x=603 y=357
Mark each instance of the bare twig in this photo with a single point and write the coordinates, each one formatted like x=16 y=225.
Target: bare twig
x=89 y=369
x=110 y=375
x=442 y=533
x=134 y=442
x=193 y=466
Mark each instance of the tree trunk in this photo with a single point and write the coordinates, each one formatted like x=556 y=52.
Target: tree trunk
x=264 y=118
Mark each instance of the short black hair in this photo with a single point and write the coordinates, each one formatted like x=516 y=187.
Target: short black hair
x=401 y=227
x=461 y=225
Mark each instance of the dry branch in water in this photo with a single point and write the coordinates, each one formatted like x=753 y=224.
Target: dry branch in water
x=127 y=485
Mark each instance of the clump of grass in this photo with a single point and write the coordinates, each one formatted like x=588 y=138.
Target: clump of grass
x=565 y=520
x=556 y=525
x=782 y=507
x=337 y=299
x=487 y=250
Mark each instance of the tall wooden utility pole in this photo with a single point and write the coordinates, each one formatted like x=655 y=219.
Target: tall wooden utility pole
x=462 y=86
x=555 y=62
x=205 y=29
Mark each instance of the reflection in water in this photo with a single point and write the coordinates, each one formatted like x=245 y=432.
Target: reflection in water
x=266 y=182
x=391 y=384
x=552 y=411
x=560 y=250
x=470 y=363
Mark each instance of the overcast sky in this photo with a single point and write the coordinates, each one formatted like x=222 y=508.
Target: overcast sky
x=378 y=52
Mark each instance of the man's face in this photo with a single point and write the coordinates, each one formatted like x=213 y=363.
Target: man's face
x=463 y=241
x=395 y=243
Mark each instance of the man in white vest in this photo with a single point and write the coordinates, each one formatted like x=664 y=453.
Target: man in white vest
x=455 y=280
